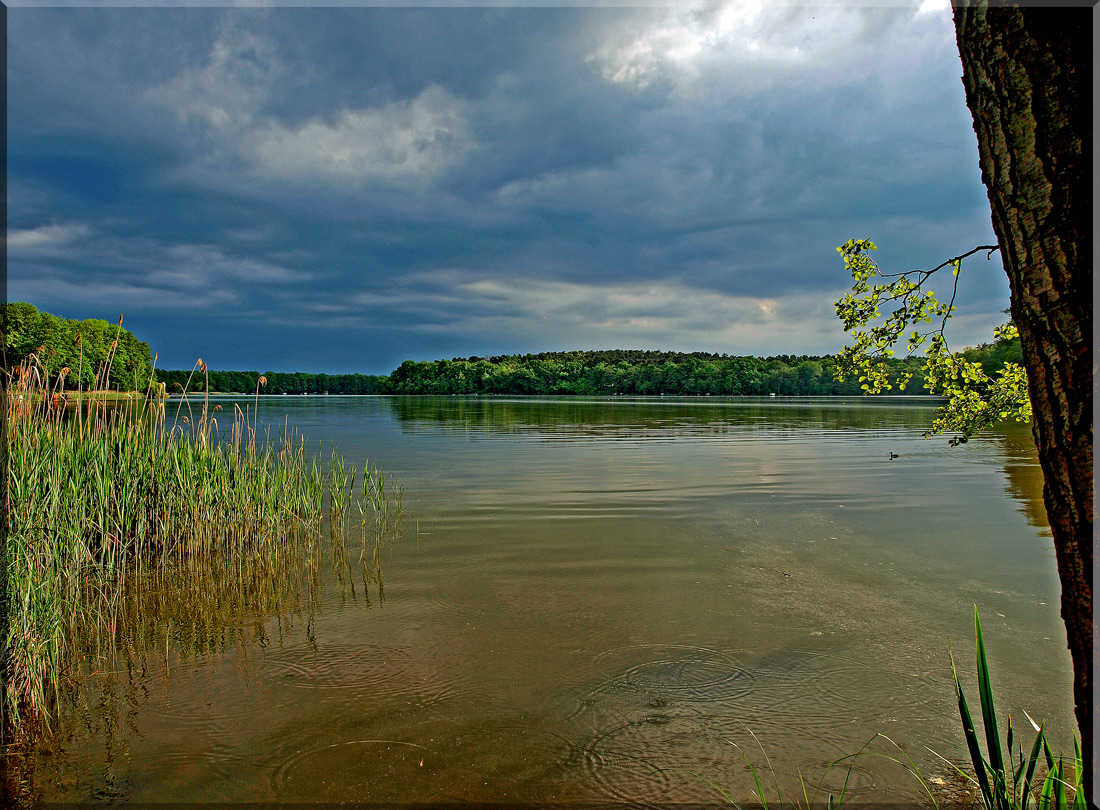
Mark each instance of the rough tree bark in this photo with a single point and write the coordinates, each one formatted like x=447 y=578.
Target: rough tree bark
x=1028 y=79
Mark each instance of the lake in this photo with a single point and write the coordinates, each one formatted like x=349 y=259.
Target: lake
x=606 y=599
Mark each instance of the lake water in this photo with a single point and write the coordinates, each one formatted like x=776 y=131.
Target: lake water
x=610 y=599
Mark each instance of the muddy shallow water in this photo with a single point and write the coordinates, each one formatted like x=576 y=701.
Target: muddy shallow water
x=603 y=600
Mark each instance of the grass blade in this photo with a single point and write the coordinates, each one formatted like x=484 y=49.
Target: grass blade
x=972 y=740
x=989 y=719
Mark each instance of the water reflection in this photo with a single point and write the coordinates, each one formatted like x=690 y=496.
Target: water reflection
x=1024 y=476
x=729 y=417
x=606 y=595
x=626 y=416
x=167 y=620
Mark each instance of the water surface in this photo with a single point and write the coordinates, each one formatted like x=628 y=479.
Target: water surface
x=594 y=597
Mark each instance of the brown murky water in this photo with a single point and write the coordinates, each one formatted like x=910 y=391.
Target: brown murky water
x=602 y=600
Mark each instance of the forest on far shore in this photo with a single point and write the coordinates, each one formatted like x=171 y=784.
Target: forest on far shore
x=600 y=373
x=630 y=373
x=85 y=348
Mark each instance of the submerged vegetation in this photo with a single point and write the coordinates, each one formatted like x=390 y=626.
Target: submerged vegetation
x=107 y=505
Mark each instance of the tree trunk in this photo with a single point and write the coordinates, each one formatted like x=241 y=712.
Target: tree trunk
x=1028 y=79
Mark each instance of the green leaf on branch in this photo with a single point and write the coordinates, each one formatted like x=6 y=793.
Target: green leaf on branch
x=977 y=398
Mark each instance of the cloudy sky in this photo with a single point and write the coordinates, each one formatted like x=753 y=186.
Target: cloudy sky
x=341 y=189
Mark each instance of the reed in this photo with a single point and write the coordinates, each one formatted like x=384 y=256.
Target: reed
x=1006 y=783
x=107 y=494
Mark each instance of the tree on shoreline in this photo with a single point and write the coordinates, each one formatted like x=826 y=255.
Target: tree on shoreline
x=1028 y=79
x=1027 y=73
x=84 y=347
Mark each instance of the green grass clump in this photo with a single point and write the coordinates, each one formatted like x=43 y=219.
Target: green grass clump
x=107 y=494
x=1006 y=784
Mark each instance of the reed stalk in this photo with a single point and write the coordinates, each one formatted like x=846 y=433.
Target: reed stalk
x=1006 y=784
x=111 y=501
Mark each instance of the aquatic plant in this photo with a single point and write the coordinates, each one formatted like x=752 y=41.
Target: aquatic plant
x=104 y=494
x=1006 y=784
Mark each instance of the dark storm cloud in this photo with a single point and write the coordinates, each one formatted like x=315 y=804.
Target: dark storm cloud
x=340 y=189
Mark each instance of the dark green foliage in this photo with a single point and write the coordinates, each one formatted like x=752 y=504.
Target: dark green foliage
x=84 y=347
x=245 y=382
x=628 y=372
x=993 y=356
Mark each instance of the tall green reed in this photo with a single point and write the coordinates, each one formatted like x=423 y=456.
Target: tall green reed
x=103 y=492
x=1006 y=783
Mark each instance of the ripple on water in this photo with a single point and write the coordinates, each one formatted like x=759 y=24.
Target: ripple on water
x=508 y=757
x=672 y=669
x=696 y=709
x=355 y=770
x=446 y=760
x=814 y=691
x=202 y=695
x=381 y=671
x=799 y=713
x=190 y=775
x=656 y=675
x=468 y=609
x=646 y=761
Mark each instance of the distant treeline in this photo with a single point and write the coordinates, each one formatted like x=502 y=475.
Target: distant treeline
x=626 y=372
x=246 y=382
x=83 y=347
x=580 y=373
x=632 y=372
